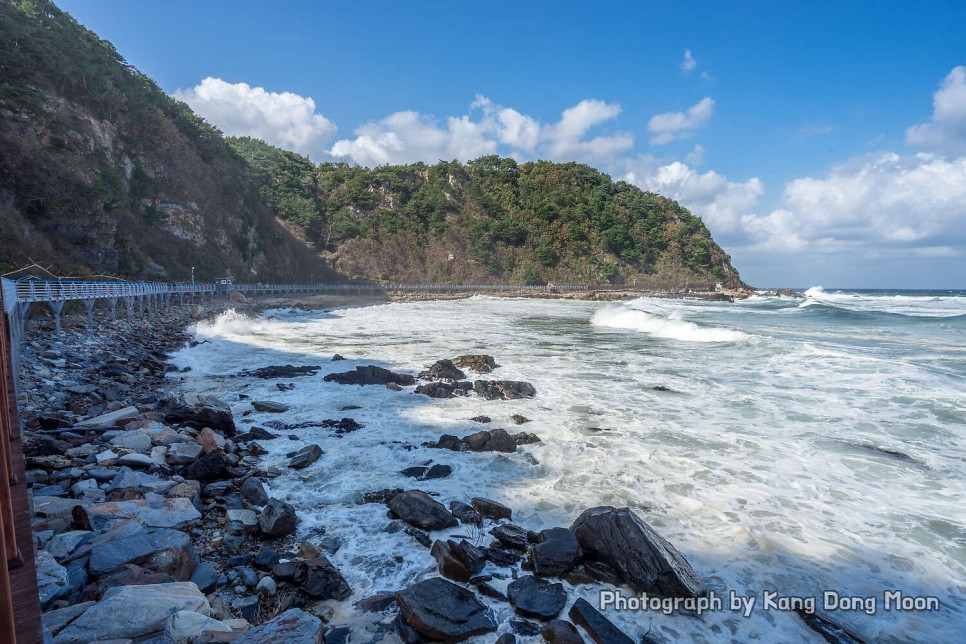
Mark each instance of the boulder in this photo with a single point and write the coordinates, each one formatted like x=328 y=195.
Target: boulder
x=281 y=371
x=457 y=561
x=535 y=597
x=294 y=626
x=253 y=491
x=199 y=412
x=205 y=577
x=422 y=511
x=61 y=545
x=465 y=513
x=322 y=580
x=645 y=560
x=441 y=610
x=512 y=536
x=52 y=578
x=138 y=440
x=560 y=631
x=442 y=370
x=55 y=620
x=436 y=390
x=480 y=363
x=305 y=457
x=490 y=509
x=188 y=626
x=277 y=518
x=503 y=389
x=519 y=420
x=269 y=406
x=154 y=513
x=370 y=375
x=241 y=521
x=556 y=552
x=600 y=629
x=183 y=453
x=142 y=546
x=113 y=617
x=210 y=467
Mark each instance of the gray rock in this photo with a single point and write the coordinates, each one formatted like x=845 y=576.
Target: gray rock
x=155 y=513
x=322 y=580
x=269 y=406
x=113 y=617
x=242 y=521
x=490 y=509
x=266 y=587
x=187 y=626
x=294 y=626
x=183 y=453
x=145 y=545
x=503 y=389
x=135 y=460
x=535 y=597
x=61 y=545
x=278 y=518
x=305 y=457
x=138 y=440
x=441 y=610
x=205 y=577
x=111 y=418
x=644 y=559
x=52 y=579
x=422 y=511
x=55 y=620
x=253 y=491
x=55 y=513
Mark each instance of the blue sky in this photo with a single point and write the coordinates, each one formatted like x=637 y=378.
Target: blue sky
x=822 y=143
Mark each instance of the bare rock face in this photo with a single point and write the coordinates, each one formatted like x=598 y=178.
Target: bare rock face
x=644 y=559
x=421 y=510
x=441 y=610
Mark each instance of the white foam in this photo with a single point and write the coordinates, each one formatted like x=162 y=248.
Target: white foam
x=898 y=304
x=671 y=326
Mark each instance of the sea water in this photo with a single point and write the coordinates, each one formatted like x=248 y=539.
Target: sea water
x=800 y=453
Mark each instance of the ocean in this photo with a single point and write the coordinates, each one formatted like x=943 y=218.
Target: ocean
x=789 y=448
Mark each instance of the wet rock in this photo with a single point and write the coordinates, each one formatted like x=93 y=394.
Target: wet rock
x=441 y=610
x=501 y=558
x=465 y=513
x=305 y=457
x=494 y=440
x=381 y=496
x=269 y=406
x=490 y=509
x=391 y=386
x=524 y=627
x=376 y=603
x=278 y=518
x=342 y=426
x=420 y=510
x=318 y=577
x=436 y=390
x=210 y=467
x=420 y=536
x=519 y=420
x=442 y=370
x=438 y=471
x=199 y=412
x=450 y=566
x=561 y=632
x=481 y=419
x=253 y=491
x=535 y=597
x=112 y=617
x=480 y=363
x=600 y=629
x=556 y=552
x=281 y=371
x=503 y=389
x=154 y=513
x=511 y=536
x=370 y=375
x=525 y=438
x=644 y=559
x=337 y=357
x=189 y=626
x=256 y=433
x=829 y=630
x=603 y=573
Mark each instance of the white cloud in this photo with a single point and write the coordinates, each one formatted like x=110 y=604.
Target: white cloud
x=405 y=137
x=946 y=131
x=283 y=119
x=677 y=125
x=688 y=63
x=710 y=195
x=869 y=204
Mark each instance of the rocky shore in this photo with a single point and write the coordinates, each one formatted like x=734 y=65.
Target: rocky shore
x=153 y=523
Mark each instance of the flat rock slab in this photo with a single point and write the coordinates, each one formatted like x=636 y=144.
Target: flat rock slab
x=52 y=578
x=111 y=419
x=422 y=511
x=642 y=557
x=154 y=513
x=441 y=610
x=534 y=597
x=55 y=620
x=126 y=612
x=600 y=629
x=269 y=406
x=294 y=626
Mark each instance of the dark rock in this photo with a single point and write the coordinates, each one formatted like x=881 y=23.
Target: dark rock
x=481 y=419
x=489 y=591
x=342 y=426
x=441 y=610
x=525 y=438
x=450 y=566
x=281 y=371
x=266 y=559
x=442 y=370
x=660 y=388
x=414 y=472
x=503 y=389
x=199 y=412
x=370 y=375
x=524 y=627
x=338 y=635
x=518 y=419
x=435 y=390
x=600 y=629
x=126 y=575
x=253 y=491
x=209 y=467
x=294 y=626
x=578 y=577
x=829 y=630
x=419 y=536
x=501 y=558
x=472 y=557
x=421 y=473
x=448 y=441
x=277 y=518
x=491 y=509
x=506 y=638
x=479 y=363
x=556 y=552
x=288 y=570
x=349 y=407
x=248 y=576
x=494 y=440
x=205 y=577
x=305 y=457
x=422 y=511
x=511 y=536
x=644 y=559
x=561 y=632
x=382 y=496
x=376 y=603
x=603 y=573
x=269 y=406
x=534 y=597
x=240 y=560
x=391 y=386
x=337 y=357
x=322 y=580
x=407 y=634
x=246 y=608
x=464 y=512
x=156 y=549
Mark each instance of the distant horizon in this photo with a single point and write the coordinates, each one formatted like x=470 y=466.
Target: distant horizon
x=828 y=144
